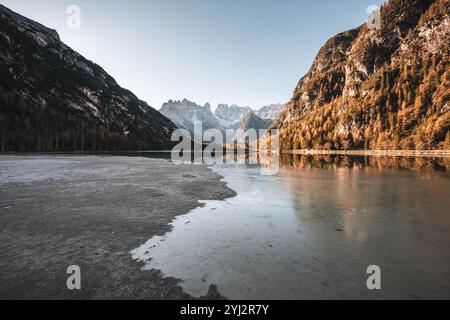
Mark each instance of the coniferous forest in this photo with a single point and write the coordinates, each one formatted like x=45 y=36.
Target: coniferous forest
x=52 y=99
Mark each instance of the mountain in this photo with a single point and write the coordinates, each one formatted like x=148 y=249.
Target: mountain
x=230 y=117
x=382 y=87
x=53 y=99
x=252 y=121
x=271 y=112
x=185 y=113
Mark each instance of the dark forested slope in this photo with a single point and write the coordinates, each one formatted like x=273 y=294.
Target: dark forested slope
x=53 y=99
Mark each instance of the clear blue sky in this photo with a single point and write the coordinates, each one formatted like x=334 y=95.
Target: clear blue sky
x=246 y=52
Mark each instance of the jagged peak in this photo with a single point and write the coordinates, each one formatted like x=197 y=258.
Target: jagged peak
x=186 y=102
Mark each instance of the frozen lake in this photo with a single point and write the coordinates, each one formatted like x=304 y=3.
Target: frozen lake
x=312 y=230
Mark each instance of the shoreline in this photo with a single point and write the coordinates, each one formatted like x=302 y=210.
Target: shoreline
x=375 y=153
x=91 y=211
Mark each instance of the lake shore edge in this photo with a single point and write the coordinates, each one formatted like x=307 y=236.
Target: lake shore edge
x=91 y=211
x=381 y=153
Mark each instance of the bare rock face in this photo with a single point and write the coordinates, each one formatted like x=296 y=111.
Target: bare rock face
x=53 y=99
x=252 y=122
x=270 y=112
x=185 y=114
x=226 y=117
x=231 y=116
x=377 y=88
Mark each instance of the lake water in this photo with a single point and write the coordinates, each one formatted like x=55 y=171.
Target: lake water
x=312 y=230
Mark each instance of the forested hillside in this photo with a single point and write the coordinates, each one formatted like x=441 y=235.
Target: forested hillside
x=377 y=88
x=53 y=99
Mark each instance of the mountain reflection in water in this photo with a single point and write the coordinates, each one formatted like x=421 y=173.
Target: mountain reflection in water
x=311 y=231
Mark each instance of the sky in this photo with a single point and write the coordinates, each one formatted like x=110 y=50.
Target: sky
x=244 y=52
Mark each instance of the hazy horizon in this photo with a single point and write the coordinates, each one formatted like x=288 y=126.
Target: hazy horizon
x=249 y=53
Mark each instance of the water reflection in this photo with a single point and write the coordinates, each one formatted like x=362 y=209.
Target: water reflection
x=312 y=230
x=359 y=162
x=319 y=161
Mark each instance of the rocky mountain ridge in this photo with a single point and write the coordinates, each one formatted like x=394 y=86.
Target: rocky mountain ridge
x=270 y=112
x=231 y=116
x=377 y=88
x=185 y=113
x=53 y=99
